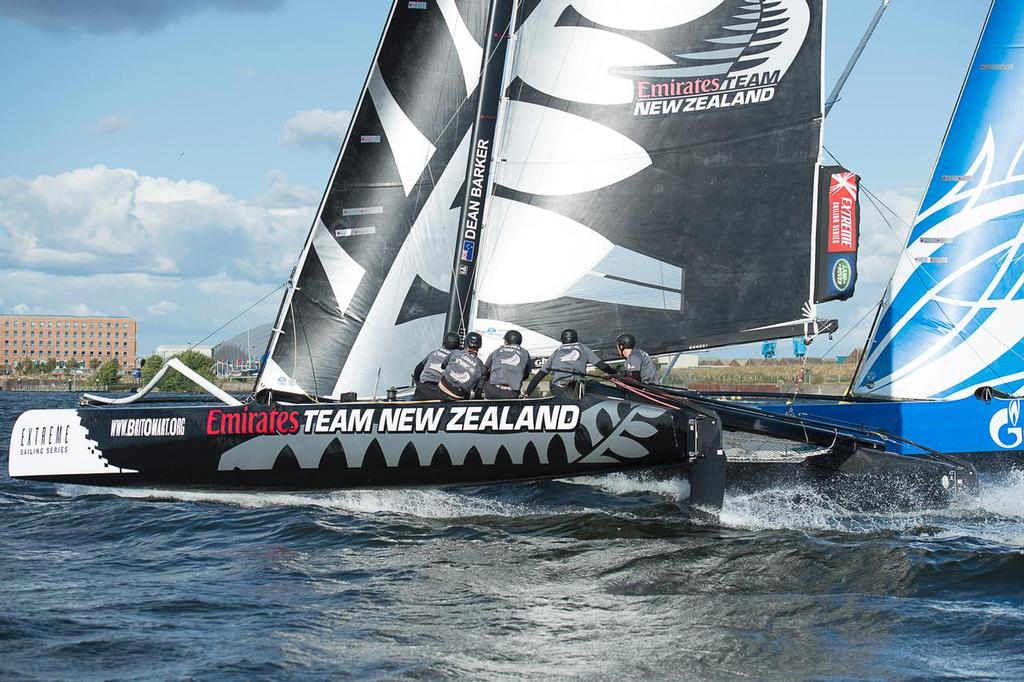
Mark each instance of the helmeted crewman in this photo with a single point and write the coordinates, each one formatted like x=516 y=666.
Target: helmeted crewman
x=568 y=365
x=639 y=364
x=463 y=372
x=507 y=368
x=428 y=372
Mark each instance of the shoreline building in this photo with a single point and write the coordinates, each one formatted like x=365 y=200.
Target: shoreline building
x=39 y=338
x=241 y=354
x=166 y=351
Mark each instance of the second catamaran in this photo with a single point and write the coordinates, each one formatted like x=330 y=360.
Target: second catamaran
x=944 y=364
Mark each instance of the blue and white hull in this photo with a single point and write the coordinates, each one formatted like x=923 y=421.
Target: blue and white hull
x=988 y=434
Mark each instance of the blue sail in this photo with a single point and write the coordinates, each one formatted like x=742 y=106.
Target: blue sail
x=953 y=316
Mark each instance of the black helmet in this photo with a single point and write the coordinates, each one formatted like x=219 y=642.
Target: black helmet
x=474 y=341
x=513 y=337
x=570 y=336
x=451 y=340
x=626 y=340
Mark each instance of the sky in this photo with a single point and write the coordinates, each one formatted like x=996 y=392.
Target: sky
x=164 y=159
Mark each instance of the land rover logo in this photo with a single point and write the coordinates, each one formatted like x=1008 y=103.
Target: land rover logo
x=841 y=272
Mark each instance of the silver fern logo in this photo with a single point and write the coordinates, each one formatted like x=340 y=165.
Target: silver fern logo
x=461 y=377
x=570 y=357
x=743 y=62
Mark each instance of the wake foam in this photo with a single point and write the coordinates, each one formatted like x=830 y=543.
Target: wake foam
x=1003 y=496
x=786 y=508
x=429 y=503
x=994 y=515
x=624 y=484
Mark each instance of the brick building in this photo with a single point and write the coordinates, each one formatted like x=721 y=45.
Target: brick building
x=41 y=337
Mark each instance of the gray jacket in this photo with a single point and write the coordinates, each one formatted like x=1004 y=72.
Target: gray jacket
x=569 y=363
x=464 y=372
x=640 y=365
x=429 y=370
x=508 y=366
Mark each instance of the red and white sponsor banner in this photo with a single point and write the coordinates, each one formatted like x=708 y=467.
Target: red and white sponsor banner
x=842 y=212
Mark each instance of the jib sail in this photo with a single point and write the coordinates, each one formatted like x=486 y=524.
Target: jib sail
x=655 y=173
x=371 y=287
x=952 y=316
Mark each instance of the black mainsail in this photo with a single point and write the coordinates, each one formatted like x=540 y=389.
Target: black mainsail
x=649 y=166
x=656 y=173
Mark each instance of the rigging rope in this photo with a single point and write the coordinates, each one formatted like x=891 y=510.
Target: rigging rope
x=268 y=295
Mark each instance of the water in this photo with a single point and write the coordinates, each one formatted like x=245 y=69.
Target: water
x=600 y=578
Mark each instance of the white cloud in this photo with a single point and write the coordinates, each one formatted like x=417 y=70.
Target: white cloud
x=281 y=193
x=83 y=310
x=24 y=309
x=316 y=128
x=163 y=308
x=103 y=220
x=111 y=123
x=180 y=256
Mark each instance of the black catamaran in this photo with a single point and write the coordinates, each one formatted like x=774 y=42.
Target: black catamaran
x=650 y=166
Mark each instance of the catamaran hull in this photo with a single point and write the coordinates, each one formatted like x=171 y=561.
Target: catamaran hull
x=350 y=445
x=771 y=441
x=988 y=434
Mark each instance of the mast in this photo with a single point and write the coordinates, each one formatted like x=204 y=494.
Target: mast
x=478 y=171
x=833 y=96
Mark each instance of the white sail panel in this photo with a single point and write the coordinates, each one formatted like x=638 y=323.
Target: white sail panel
x=548 y=151
x=644 y=15
x=517 y=229
x=492 y=331
x=578 y=64
x=597 y=270
x=411 y=149
x=343 y=272
x=275 y=378
x=470 y=52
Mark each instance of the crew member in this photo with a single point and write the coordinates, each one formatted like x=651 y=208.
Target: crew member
x=639 y=364
x=568 y=365
x=463 y=372
x=507 y=368
x=428 y=372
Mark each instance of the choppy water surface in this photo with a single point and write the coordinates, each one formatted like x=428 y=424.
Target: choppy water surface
x=599 y=578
